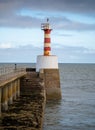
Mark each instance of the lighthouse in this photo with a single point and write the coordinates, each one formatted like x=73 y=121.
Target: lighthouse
x=47 y=60
x=47 y=40
x=47 y=66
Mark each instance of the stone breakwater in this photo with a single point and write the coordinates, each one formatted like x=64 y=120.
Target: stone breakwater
x=27 y=112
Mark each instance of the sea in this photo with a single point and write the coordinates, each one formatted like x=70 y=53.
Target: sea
x=76 y=109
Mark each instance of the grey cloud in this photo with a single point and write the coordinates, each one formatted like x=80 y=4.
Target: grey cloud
x=20 y=22
x=75 y=25
x=68 y=24
x=81 y=6
x=57 y=23
x=9 y=9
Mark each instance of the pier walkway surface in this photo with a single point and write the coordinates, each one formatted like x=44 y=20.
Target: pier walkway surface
x=8 y=77
x=26 y=112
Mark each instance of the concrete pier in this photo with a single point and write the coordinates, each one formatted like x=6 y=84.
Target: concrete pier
x=27 y=111
x=9 y=88
x=52 y=83
x=0 y=102
x=10 y=96
x=23 y=98
x=4 y=98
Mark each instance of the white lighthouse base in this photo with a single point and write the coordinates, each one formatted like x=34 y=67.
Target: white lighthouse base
x=46 y=62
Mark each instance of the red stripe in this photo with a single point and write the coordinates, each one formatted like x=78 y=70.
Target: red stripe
x=47 y=40
x=47 y=31
x=47 y=49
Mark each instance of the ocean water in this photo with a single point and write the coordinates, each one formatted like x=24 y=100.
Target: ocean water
x=76 y=110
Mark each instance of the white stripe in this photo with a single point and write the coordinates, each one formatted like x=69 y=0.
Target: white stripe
x=46 y=45
x=47 y=35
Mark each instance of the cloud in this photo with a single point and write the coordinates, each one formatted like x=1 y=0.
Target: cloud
x=20 y=22
x=62 y=22
x=80 y=6
x=57 y=23
x=74 y=54
x=22 y=54
x=10 y=13
x=68 y=24
x=64 y=35
x=4 y=45
x=34 y=13
x=66 y=54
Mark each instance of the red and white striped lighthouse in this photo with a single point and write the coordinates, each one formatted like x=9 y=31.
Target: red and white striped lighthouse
x=47 y=40
x=46 y=61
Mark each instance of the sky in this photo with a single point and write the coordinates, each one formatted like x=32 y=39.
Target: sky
x=72 y=37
